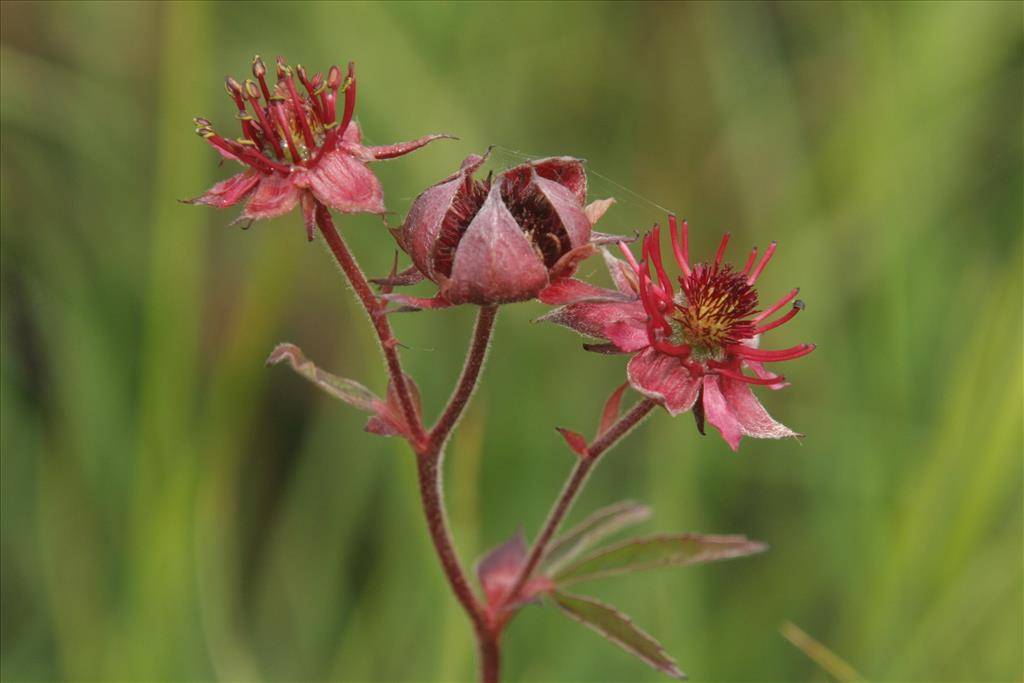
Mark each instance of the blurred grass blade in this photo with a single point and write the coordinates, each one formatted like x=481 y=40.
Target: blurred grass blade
x=821 y=655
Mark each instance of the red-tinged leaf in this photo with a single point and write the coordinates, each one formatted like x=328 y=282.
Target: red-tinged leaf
x=598 y=525
x=611 y=409
x=675 y=550
x=575 y=440
x=498 y=569
x=347 y=390
x=619 y=629
x=390 y=419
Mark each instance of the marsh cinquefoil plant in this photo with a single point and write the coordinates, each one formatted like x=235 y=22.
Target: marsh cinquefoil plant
x=515 y=236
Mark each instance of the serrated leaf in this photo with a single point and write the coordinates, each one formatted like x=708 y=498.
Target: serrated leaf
x=599 y=525
x=619 y=629
x=676 y=550
x=347 y=390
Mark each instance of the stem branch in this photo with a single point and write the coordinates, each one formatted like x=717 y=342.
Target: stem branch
x=354 y=275
x=602 y=444
x=468 y=380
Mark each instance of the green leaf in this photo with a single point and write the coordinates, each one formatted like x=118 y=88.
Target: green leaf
x=657 y=551
x=619 y=629
x=347 y=390
x=600 y=524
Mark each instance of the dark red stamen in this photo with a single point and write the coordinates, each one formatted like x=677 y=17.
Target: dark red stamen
x=284 y=75
x=721 y=249
x=764 y=262
x=269 y=132
x=259 y=70
x=739 y=376
x=350 y=99
x=680 y=247
x=771 y=356
x=777 y=305
x=750 y=261
x=797 y=307
x=663 y=279
x=277 y=108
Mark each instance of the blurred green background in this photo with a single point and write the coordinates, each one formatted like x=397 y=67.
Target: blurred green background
x=172 y=510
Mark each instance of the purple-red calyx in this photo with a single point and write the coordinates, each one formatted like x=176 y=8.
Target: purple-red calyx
x=693 y=340
x=300 y=145
x=502 y=239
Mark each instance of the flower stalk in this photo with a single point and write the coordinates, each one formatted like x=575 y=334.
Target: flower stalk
x=573 y=485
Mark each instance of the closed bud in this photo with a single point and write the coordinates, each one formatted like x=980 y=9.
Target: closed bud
x=502 y=239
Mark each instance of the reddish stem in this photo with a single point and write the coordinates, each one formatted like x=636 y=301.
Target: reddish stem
x=490 y=659
x=428 y=447
x=366 y=297
x=468 y=380
x=599 y=447
x=429 y=470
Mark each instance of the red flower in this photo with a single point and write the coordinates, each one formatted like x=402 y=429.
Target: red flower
x=691 y=345
x=296 y=148
x=502 y=239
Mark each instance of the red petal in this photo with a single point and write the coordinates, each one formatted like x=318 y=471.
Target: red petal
x=628 y=335
x=423 y=223
x=228 y=192
x=571 y=291
x=353 y=134
x=567 y=172
x=753 y=419
x=594 y=319
x=663 y=378
x=569 y=210
x=275 y=196
x=718 y=412
x=495 y=262
x=344 y=183
x=623 y=275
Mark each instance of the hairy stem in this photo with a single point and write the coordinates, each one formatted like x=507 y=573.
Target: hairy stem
x=388 y=343
x=468 y=380
x=429 y=470
x=429 y=447
x=490 y=659
x=573 y=486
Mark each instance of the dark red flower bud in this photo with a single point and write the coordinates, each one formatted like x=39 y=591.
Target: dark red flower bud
x=504 y=238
